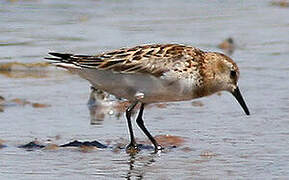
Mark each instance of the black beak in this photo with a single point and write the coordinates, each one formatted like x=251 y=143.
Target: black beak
x=237 y=94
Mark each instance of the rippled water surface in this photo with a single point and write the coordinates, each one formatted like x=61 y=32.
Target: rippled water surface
x=48 y=105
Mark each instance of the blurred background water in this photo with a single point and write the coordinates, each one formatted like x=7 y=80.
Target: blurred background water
x=220 y=141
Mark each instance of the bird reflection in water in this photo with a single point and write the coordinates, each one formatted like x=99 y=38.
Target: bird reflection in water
x=2 y=101
x=102 y=105
x=138 y=164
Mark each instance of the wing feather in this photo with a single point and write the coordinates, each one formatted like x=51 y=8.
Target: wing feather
x=154 y=59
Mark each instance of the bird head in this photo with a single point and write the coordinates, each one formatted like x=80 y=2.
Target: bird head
x=222 y=74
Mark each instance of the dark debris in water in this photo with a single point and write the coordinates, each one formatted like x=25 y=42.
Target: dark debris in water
x=85 y=143
x=32 y=145
x=1 y=144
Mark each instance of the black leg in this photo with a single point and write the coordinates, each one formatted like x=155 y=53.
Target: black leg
x=132 y=147
x=140 y=123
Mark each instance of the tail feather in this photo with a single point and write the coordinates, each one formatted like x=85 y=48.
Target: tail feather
x=60 y=57
x=63 y=56
x=74 y=61
x=62 y=60
x=53 y=59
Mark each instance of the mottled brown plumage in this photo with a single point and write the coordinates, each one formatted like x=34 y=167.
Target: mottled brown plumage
x=156 y=73
x=140 y=59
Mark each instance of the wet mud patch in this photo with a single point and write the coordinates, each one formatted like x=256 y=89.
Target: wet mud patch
x=280 y=3
x=228 y=46
x=19 y=102
x=27 y=70
x=24 y=102
x=24 y=70
x=197 y=104
x=168 y=142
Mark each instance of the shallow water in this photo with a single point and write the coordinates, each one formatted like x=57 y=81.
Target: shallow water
x=220 y=141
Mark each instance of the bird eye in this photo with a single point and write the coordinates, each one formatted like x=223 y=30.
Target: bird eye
x=233 y=74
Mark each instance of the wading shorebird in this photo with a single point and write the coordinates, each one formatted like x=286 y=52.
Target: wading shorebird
x=155 y=73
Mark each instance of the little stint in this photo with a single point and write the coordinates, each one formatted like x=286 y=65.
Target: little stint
x=155 y=73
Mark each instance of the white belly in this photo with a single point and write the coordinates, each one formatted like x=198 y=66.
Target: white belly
x=127 y=86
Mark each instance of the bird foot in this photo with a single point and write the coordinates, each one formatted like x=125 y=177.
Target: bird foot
x=158 y=149
x=132 y=148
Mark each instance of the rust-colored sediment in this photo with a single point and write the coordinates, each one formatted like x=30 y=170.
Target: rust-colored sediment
x=51 y=147
x=197 y=104
x=86 y=149
x=281 y=3
x=38 y=105
x=187 y=149
x=2 y=143
x=169 y=140
x=227 y=45
x=208 y=154
x=23 y=102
